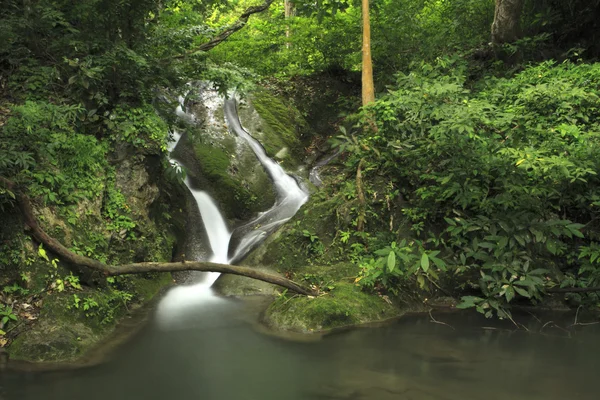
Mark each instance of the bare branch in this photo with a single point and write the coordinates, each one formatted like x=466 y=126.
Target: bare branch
x=230 y=30
x=109 y=270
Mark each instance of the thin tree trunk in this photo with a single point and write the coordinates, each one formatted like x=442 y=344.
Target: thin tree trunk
x=289 y=11
x=368 y=89
x=506 y=27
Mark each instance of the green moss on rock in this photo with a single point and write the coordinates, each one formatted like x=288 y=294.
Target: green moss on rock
x=146 y=286
x=280 y=128
x=345 y=305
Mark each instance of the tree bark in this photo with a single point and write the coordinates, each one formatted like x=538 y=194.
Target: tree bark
x=289 y=11
x=368 y=89
x=506 y=27
x=109 y=270
x=236 y=26
x=362 y=204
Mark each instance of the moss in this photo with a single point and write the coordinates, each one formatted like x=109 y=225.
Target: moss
x=213 y=161
x=235 y=199
x=292 y=249
x=58 y=335
x=345 y=305
x=283 y=128
x=63 y=331
x=147 y=286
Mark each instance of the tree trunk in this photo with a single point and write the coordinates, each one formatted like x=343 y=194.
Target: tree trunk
x=506 y=27
x=368 y=89
x=289 y=11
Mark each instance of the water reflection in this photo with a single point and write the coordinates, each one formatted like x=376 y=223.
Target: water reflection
x=214 y=353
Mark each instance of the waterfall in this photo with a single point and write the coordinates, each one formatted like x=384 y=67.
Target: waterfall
x=290 y=197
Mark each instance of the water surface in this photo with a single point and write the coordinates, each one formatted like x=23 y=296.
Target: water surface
x=212 y=350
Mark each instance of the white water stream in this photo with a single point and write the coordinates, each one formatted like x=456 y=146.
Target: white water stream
x=290 y=197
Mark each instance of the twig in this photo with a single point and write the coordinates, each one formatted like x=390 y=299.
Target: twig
x=546 y=324
x=524 y=327
x=582 y=323
x=438 y=286
x=536 y=318
x=435 y=321
x=576 y=315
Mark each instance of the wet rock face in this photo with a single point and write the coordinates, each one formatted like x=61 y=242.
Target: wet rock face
x=133 y=180
x=220 y=163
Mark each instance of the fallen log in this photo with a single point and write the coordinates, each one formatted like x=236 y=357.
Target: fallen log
x=68 y=256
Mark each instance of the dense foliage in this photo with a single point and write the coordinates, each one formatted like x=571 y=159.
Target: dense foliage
x=473 y=174
x=500 y=180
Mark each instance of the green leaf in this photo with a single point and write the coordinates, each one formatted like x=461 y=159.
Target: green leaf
x=522 y=291
x=551 y=246
x=450 y=221
x=503 y=242
x=391 y=261
x=425 y=262
x=439 y=263
x=42 y=253
x=469 y=301
x=510 y=294
x=421 y=281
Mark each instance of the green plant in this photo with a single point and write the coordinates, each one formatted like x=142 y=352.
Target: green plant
x=499 y=180
x=398 y=261
x=6 y=316
x=73 y=281
x=15 y=288
x=315 y=246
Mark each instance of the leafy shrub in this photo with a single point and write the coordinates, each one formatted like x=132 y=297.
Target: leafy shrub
x=501 y=181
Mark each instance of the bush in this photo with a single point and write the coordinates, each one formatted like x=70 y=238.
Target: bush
x=501 y=181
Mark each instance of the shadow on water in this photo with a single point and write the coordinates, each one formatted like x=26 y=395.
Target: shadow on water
x=210 y=350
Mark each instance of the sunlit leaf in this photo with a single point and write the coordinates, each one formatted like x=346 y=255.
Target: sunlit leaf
x=425 y=262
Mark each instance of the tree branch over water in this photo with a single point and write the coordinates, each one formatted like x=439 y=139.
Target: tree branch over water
x=230 y=30
x=109 y=270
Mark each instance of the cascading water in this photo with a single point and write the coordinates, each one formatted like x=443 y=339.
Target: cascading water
x=290 y=197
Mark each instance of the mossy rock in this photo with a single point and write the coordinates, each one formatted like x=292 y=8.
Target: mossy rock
x=146 y=286
x=64 y=333
x=345 y=305
x=236 y=179
x=277 y=125
x=291 y=247
x=238 y=286
x=228 y=170
x=59 y=334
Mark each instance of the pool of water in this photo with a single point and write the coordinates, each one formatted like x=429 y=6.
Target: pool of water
x=212 y=350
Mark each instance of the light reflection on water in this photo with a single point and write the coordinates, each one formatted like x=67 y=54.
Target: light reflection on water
x=214 y=353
